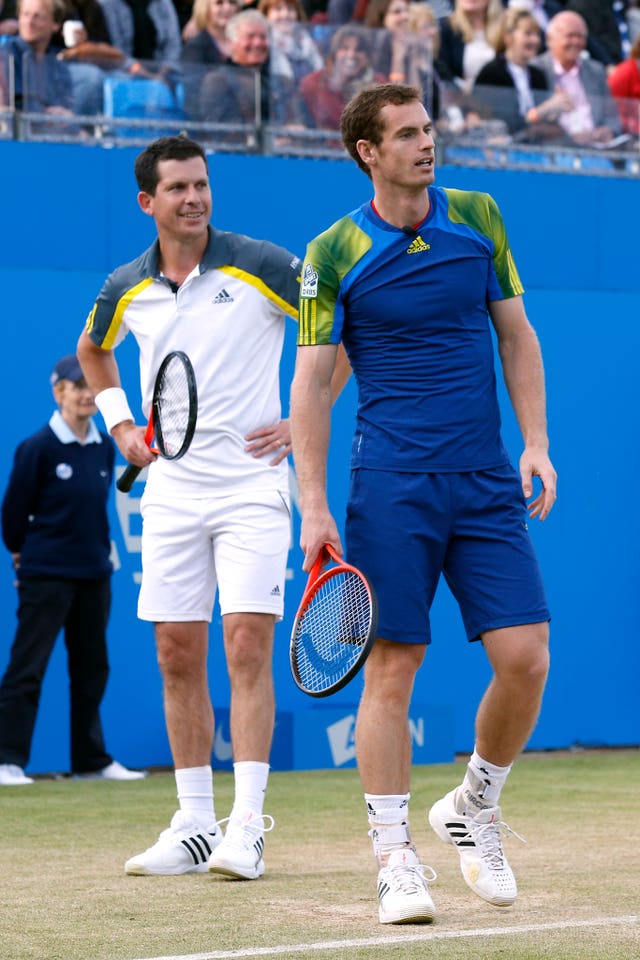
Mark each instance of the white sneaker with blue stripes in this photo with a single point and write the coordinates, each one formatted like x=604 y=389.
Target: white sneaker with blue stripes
x=239 y=855
x=184 y=847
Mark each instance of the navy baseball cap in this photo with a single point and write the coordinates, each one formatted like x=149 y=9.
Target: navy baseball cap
x=67 y=368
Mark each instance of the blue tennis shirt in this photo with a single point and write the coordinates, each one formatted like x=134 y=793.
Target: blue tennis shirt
x=412 y=311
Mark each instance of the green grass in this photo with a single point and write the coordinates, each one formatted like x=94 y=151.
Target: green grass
x=64 y=896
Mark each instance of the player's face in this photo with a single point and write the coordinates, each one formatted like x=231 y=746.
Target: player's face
x=181 y=205
x=405 y=155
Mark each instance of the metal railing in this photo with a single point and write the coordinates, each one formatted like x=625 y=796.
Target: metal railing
x=230 y=109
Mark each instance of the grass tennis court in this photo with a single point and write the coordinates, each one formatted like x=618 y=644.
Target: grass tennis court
x=64 y=896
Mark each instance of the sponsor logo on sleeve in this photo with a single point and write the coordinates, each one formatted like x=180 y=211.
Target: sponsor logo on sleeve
x=309 y=287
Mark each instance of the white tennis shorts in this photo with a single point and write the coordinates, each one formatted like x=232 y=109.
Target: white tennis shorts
x=237 y=545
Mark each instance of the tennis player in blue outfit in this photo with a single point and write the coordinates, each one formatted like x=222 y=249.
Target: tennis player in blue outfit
x=411 y=283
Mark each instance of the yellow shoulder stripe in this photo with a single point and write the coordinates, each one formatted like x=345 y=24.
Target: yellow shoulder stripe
x=121 y=306
x=261 y=286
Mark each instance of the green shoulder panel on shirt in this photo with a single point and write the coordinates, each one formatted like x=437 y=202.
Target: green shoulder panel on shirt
x=329 y=259
x=480 y=212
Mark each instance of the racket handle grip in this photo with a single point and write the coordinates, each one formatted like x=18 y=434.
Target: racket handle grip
x=126 y=479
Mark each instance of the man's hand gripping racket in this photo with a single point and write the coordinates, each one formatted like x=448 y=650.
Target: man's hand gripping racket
x=174 y=410
x=335 y=626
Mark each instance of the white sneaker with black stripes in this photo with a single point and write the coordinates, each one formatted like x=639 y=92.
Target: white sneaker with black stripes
x=403 y=895
x=239 y=855
x=478 y=840
x=184 y=847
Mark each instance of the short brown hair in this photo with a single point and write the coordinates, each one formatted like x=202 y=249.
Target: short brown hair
x=165 y=148
x=361 y=118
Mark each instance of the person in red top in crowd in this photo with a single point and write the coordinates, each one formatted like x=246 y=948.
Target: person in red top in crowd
x=348 y=69
x=624 y=83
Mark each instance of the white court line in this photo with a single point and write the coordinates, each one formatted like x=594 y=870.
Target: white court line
x=426 y=937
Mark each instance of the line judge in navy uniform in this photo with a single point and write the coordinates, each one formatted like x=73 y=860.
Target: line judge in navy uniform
x=55 y=525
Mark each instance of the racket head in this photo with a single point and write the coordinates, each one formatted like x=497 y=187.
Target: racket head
x=174 y=406
x=334 y=630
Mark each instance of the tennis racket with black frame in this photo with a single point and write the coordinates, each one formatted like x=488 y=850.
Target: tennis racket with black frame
x=334 y=628
x=174 y=410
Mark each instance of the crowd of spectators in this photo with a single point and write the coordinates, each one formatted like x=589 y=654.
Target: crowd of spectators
x=524 y=70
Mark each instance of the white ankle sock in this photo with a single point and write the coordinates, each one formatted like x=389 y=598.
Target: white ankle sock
x=389 y=823
x=195 y=793
x=250 y=780
x=482 y=784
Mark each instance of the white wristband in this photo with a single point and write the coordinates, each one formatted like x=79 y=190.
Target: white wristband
x=112 y=404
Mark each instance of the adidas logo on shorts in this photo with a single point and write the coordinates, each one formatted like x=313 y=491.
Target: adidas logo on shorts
x=276 y=591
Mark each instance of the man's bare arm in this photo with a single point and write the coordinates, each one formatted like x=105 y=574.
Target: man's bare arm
x=524 y=376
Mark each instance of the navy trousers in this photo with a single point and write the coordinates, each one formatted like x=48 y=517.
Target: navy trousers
x=46 y=606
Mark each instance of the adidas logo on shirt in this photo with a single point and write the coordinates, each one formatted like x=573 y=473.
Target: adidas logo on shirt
x=276 y=591
x=418 y=245
x=222 y=297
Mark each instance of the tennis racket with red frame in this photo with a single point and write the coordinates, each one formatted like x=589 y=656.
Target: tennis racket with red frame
x=334 y=628
x=174 y=411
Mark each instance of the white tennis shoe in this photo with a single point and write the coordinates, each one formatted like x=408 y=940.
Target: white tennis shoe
x=403 y=894
x=11 y=775
x=239 y=855
x=184 y=847
x=478 y=840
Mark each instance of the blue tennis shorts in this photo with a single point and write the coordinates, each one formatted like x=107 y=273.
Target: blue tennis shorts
x=405 y=529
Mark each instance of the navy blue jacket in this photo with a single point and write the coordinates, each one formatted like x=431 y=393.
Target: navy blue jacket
x=54 y=511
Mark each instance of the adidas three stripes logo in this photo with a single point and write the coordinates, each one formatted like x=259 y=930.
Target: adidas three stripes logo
x=198 y=847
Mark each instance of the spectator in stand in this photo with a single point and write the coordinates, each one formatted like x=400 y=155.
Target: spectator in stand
x=424 y=24
x=624 y=83
x=606 y=21
x=184 y=10
x=43 y=83
x=348 y=69
x=522 y=98
x=290 y=37
x=87 y=49
x=210 y=45
x=593 y=119
x=55 y=524
x=145 y=30
x=8 y=17
x=633 y=20
x=403 y=54
x=468 y=39
x=228 y=93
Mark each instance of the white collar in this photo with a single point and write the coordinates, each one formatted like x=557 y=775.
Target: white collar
x=65 y=434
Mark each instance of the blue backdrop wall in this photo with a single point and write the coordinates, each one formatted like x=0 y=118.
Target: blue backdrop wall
x=70 y=216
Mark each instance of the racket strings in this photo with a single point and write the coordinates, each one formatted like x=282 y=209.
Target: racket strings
x=332 y=630
x=172 y=409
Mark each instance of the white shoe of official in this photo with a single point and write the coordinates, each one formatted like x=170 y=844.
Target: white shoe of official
x=239 y=855
x=114 y=771
x=478 y=840
x=11 y=775
x=403 y=894
x=184 y=847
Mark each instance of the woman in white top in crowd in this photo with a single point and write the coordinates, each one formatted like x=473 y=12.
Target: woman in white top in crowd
x=468 y=40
